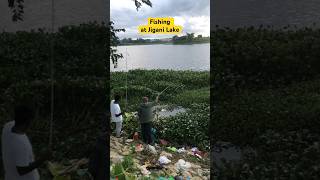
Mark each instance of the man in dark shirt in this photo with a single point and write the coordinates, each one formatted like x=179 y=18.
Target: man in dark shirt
x=146 y=116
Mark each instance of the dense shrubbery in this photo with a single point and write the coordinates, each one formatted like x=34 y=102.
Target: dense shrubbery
x=290 y=155
x=187 y=88
x=266 y=90
x=190 y=128
x=78 y=51
x=247 y=114
x=264 y=79
x=151 y=82
x=260 y=57
x=80 y=79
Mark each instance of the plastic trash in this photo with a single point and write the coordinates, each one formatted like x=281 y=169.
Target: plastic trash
x=129 y=140
x=173 y=149
x=178 y=178
x=164 y=160
x=163 y=142
x=194 y=149
x=144 y=170
x=198 y=156
x=163 y=153
x=196 y=152
x=182 y=165
x=117 y=159
x=151 y=149
x=139 y=148
x=181 y=150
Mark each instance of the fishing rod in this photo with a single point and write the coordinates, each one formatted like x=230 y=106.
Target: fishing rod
x=126 y=105
x=157 y=114
x=165 y=89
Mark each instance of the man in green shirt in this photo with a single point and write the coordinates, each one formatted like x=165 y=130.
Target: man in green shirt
x=146 y=116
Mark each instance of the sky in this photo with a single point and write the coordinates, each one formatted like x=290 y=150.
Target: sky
x=192 y=15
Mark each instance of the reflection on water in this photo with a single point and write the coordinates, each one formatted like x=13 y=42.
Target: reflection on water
x=164 y=112
x=164 y=56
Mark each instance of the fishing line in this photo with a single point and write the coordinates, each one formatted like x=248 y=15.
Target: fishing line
x=164 y=90
x=168 y=88
x=126 y=105
x=157 y=114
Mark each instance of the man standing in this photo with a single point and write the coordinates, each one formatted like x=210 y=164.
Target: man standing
x=17 y=153
x=146 y=116
x=116 y=114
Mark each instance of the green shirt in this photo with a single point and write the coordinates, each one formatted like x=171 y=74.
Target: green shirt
x=145 y=113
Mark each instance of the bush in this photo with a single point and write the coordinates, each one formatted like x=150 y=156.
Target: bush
x=131 y=124
x=150 y=82
x=189 y=97
x=290 y=155
x=262 y=57
x=80 y=71
x=190 y=128
x=248 y=114
x=266 y=96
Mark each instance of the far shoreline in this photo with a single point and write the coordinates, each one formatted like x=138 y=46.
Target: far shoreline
x=164 y=43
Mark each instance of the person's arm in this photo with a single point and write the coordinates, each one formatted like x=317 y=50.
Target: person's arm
x=156 y=101
x=118 y=111
x=22 y=170
x=117 y=115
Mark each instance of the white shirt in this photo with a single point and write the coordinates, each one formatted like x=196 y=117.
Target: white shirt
x=16 y=151
x=115 y=109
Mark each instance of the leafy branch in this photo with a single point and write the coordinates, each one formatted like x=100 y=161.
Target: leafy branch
x=138 y=4
x=17 y=9
x=114 y=41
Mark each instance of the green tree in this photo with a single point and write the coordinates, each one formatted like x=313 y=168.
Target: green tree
x=175 y=38
x=190 y=36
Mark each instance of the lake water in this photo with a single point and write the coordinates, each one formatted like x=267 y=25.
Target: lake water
x=164 y=56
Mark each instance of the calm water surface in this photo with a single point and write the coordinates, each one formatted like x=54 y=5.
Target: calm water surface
x=164 y=56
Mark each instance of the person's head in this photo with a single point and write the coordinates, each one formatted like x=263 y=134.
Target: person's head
x=145 y=99
x=23 y=115
x=117 y=98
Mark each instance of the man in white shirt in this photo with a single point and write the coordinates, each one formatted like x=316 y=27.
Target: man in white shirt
x=17 y=153
x=116 y=114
